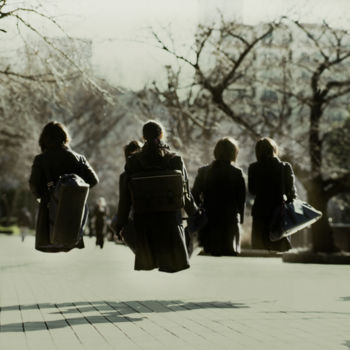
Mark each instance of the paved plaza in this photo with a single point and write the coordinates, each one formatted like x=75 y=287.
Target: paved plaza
x=92 y=299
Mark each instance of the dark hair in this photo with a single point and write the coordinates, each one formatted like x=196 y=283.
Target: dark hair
x=152 y=131
x=53 y=135
x=266 y=148
x=131 y=147
x=226 y=149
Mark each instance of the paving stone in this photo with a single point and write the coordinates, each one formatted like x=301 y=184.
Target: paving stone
x=92 y=299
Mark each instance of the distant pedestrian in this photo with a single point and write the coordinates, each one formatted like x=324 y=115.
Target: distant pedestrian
x=100 y=216
x=24 y=222
x=269 y=180
x=56 y=159
x=158 y=185
x=220 y=189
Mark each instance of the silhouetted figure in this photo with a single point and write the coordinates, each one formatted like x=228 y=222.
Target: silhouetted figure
x=269 y=180
x=160 y=234
x=24 y=222
x=100 y=215
x=55 y=160
x=123 y=222
x=90 y=225
x=220 y=189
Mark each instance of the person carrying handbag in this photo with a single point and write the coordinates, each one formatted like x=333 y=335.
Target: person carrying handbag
x=272 y=182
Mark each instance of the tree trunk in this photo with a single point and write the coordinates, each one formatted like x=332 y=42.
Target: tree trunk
x=321 y=231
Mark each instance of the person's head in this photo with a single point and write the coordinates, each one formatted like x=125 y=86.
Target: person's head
x=152 y=131
x=54 y=135
x=266 y=148
x=130 y=148
x=226 y=149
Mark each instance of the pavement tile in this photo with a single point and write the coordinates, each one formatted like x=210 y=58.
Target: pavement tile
x=92 y=299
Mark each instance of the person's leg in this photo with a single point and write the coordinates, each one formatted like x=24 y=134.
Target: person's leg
x=257 y=233
x=23 y=233
x=237 y=238
x=281 y=246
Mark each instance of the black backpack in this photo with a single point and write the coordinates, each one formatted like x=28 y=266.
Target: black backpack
x=157 y=190
x=68 y=210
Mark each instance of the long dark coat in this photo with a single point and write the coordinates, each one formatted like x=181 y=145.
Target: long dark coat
x=100 y=214
x=269 y=180
x=124 y=224
x=220 y=189
x=49 y=166
x=160 y=239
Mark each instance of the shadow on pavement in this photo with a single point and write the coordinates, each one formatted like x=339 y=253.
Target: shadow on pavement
x=97 y=312
x=310 y=314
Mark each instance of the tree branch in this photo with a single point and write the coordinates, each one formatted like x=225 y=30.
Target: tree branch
x=36 y=77
x=336 y=95
x=313 y=39
x=227 y=79
x=202 y=44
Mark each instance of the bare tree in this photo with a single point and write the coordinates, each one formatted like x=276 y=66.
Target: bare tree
x=221 y=70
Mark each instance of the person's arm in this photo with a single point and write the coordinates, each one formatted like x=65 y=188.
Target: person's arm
x=197 y=189
x=37 y=178
x=190 y=205
x=124 y=204
x=88 y=173
x=289 y=180
x=241 y=196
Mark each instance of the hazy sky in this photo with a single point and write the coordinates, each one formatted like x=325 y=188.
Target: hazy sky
x=122 y=49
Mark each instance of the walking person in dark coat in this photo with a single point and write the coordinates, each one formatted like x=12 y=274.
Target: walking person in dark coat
x=56 y=159
x=100 y=215
x=160 y=235
x=269 y=180
x=220 y=189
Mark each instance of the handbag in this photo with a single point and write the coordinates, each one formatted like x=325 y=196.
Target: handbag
x=292 y=217
x=68 y=210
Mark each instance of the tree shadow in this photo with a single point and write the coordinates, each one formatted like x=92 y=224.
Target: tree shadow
x=107 y=312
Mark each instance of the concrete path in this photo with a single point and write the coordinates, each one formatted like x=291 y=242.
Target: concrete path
x=92 y=299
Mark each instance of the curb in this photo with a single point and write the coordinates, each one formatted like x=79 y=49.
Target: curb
x=309 y=257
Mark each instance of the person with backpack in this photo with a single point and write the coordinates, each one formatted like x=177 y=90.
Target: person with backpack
x=157 y=191
x=220 y=189
x=55 y=161
x=269 y=180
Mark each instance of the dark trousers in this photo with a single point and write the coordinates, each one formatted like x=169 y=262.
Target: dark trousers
x=221 y=235
x=99 y=230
